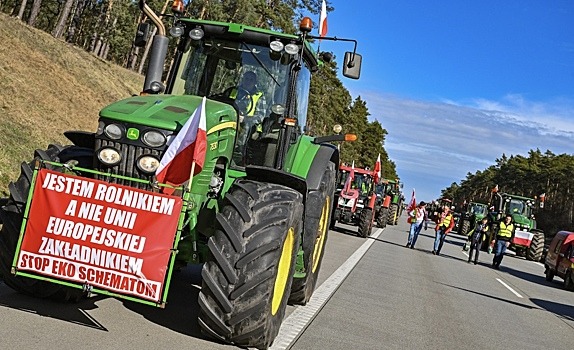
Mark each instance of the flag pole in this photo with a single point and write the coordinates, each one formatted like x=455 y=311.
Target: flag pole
x=191 y=176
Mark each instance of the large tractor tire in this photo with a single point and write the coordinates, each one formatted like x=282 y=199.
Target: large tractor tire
x=393 y=214
x=247 y=283
x=536 y=247
x=11 y=215
x=465 y=227
x=317 y=215
x=383 y=217
x=365 y=222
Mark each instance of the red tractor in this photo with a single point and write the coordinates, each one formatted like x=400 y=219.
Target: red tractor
x=355 y=199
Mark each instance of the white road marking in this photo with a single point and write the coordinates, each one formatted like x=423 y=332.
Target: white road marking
x=508 y=287
x=294 y=325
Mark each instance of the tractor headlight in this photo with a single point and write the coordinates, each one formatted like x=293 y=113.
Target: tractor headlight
x=148 y=164
x=153 y=138
x=109 y=156
x=113 y=131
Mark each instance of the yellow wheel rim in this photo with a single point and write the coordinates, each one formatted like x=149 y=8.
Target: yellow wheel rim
x=283 y=271
x=320 y=241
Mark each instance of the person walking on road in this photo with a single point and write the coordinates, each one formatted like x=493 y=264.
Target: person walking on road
x=444 y=225
x=476 y=237
x=418 y=217
x=503 y=238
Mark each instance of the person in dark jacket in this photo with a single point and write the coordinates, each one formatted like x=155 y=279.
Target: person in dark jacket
x=476 y=236
x=504 y=236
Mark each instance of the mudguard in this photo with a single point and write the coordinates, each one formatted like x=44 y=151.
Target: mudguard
x=276 y=176
x=326 y=153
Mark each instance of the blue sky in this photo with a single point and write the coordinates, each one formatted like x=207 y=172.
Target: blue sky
x=458 y=83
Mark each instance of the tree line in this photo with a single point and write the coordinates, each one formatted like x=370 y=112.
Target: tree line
x=531 y=176
x=106 y=28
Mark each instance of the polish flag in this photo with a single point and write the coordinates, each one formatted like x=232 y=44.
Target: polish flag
x=413 y=202
x=412 y=206
x=377 y=169
x=323 y=20
x=187 y=147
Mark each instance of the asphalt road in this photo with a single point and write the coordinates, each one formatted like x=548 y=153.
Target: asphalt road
x=394 y=298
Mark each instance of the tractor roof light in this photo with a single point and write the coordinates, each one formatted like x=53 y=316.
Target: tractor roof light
x=196 y=33
x=176 y=31
x=177 y=7
x=350 y=137
x=306 y=25
x=276 y=46
x=292 y=48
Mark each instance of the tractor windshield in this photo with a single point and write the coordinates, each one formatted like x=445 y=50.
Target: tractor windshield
x=478 y=209
x=516 y=206
x=253 y=79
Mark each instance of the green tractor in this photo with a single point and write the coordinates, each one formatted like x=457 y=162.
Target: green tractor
x=471 y=214
x=256 y=215
x=528 y=240
x=397 y=200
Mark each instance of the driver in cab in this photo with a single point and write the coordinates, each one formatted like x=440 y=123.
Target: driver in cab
x=249 y=99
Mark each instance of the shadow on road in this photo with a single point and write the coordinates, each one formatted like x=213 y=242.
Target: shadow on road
x=69 y=312
x=490 y=296
x=538 y=279
x=560 y=310
x=182 y=310
x=346 y=231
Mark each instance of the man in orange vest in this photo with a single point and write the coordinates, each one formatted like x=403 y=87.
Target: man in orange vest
x=444 y=225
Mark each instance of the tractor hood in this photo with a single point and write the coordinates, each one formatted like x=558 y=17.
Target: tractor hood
x=168 y=112
x=521 y=220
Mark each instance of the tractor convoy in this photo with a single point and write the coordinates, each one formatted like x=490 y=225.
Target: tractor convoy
x=362 y=199
x=91 y=217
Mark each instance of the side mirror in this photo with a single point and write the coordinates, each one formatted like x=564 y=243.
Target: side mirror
x=352 y=65
x=142 y=35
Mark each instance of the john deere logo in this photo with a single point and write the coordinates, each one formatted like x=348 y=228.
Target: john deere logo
x=133 y=134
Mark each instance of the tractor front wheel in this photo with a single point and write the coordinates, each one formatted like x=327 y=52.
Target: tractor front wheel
x=317 y=215
x=365 y=222
x=536 y=246
x=246 y=285
x=382 y=217
x=393 y=214
x=11 y=216
x=465 y=228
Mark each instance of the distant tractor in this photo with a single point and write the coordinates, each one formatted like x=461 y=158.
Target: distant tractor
x=397 y=200
x=355 y=199
x=528 y=241
x=471 y=214
x=382 y=204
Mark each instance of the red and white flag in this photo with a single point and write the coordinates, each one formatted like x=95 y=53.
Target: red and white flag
x=187 y=147
x=323 y=20
x=413 y=202
x=377 y=169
